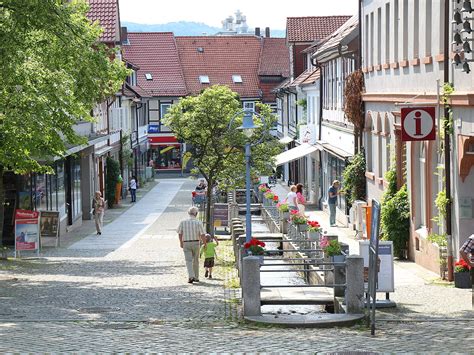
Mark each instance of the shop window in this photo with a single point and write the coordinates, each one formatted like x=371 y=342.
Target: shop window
x=60 y=188
x=164 y=107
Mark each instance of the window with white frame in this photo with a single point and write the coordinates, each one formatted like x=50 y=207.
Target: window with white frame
x=249 y=105
x=237 y=79
x=204 y=79
x=164 y=107
x=395 y=30
x=428 y=19
x=416 y=28
x=387 y=33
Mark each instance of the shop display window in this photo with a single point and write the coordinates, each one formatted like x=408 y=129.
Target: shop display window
x=166 y=156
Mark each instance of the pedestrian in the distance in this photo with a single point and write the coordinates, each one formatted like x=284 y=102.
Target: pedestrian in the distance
x=98 y=209
x=300 y=200
x=191 y=233
x=209 y=251
x=332 y=201
x=133 y=188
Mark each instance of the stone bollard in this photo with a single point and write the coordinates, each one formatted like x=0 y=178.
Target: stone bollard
x=233 y=211
x=251 y=286
x=355 y=284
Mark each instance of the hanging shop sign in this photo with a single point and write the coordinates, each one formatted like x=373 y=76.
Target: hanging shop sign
x=418 y=124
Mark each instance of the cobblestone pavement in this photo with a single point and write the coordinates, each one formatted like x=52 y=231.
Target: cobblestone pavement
x=129 y=294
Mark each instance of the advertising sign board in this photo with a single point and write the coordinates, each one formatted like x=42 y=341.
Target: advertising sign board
x=26 y=230
x=49 y=225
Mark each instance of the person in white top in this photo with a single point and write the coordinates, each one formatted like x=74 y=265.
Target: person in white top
x=291 y=198
x=191 y=233
x=133 y=188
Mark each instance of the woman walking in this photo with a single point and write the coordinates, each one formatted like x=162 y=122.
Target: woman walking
x=300 y=200
x=98 y=206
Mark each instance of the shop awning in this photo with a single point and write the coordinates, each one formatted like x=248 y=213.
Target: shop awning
x=285 y=140
x=336 y=151
x=295 y=153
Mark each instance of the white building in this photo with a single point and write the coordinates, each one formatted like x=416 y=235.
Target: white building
x=403 y=55
x=336 y=59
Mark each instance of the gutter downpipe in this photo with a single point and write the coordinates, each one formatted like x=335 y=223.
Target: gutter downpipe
x=447 y=145
x=321 y=77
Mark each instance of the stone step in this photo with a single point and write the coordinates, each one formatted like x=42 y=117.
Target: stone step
x=322 y=320
x=296 y=295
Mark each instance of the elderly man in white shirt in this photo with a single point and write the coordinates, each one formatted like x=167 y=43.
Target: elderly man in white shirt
x=191 y=232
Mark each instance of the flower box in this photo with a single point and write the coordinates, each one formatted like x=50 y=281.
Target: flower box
x=462 y=280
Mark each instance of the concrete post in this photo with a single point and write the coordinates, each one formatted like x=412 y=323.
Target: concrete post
x=355 y=284
x=251 y=286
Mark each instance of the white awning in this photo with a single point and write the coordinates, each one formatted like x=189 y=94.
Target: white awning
x=285 y=140
x=295 y=153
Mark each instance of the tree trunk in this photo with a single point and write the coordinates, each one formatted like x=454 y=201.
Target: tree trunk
x=209 y=205
x=2 y=206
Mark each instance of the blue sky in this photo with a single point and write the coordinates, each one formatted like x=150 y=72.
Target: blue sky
x=260 y=13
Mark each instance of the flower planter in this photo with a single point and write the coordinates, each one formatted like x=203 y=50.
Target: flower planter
x=313 y=236
x=302 y=228
x=285 y=215
x=462 y=280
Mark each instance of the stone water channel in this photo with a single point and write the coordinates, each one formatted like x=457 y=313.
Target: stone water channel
x=281 y=278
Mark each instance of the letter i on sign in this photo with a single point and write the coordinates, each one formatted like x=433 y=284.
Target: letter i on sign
x=418 y=123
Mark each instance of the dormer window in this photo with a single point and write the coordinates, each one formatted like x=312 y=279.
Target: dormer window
x=237 y=79
x=148 y=76
x=204 y=79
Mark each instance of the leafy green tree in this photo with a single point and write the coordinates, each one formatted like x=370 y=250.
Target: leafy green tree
x=113 y=174
x=53 y=71
x=209 y=123
x=354 y=181
x=395 y=220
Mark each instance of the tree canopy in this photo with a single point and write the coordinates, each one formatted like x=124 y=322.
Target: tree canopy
x=209 y=122
x=54 y=70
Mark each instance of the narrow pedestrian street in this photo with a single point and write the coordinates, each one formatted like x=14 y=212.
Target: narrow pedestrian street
x=126 y=291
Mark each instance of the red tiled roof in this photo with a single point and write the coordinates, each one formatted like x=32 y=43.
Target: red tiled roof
x=220 y=57
x=155 y=53
x=275 y=58
x=309 y=29
x=312 y=78
x=106 y=13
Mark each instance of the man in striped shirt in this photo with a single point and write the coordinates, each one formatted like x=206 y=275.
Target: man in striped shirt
x=467 y=253
x=191 y=232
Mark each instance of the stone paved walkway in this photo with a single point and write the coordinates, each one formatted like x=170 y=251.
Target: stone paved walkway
x=126 y=291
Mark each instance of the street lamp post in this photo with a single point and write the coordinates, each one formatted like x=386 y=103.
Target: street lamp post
x=248 y=127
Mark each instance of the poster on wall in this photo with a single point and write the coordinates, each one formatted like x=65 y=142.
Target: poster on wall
x=384 y=265
x=49 y=225
x=26 y=231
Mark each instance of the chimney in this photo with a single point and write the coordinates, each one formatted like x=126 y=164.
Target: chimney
x=257 y=31
x=124 y=35
x=267 y=31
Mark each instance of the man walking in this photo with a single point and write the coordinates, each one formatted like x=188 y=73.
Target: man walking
x=191 y=232
x=332 y=201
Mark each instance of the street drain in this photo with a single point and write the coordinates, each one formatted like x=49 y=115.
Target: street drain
x=98 y=309
x=116 y=326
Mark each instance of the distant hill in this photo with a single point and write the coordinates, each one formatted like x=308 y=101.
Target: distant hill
x=184 y=28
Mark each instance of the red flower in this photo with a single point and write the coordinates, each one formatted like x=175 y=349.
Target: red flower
x=275 y=198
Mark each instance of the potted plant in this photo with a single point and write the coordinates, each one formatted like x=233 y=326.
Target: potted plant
x=284 y=209
x=256 y=248
x=269 y=195
x=299 y=220
x=314 y=230
x=275 y=199
x=462 y=277
x=331 y=248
